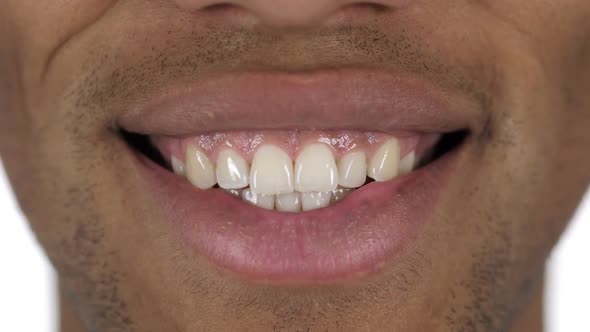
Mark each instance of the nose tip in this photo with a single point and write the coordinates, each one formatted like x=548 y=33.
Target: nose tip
x=290 y=12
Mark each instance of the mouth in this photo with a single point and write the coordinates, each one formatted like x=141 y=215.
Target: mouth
x=299 y=177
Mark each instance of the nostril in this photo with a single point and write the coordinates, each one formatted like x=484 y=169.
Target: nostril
x=361 y=8
x=220 y=7
x=375 y=7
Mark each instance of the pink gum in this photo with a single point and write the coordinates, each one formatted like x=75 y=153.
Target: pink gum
x=292 y=141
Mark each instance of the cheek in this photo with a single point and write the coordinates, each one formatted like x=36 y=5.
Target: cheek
x=59 y=189
x=41 y=30
x=532 y=180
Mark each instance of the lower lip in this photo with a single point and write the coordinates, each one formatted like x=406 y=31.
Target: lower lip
x=352 y=239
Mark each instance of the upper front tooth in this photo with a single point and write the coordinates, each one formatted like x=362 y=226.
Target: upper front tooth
x=384 y=164
x=232 y=170
x=199 y=170
x=271 y=172
x=315 y=169
x=407 y=164
x=352 y=170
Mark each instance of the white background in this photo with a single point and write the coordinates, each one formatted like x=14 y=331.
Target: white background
x=27 y=297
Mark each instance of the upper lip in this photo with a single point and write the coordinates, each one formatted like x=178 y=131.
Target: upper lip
x=363 y=99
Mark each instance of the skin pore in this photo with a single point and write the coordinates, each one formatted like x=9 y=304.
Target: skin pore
x=70 y=71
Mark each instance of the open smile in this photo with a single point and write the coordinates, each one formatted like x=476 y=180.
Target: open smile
x=300 y=177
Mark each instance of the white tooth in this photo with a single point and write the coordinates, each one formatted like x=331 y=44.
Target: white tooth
x=384 y=164
x=352 y=170
x=271 y=172
x=312 y=201
x=339 y=194
x=263 y=201
x=232 y=170
x=408 y=163
x=177 y=166
x=199 y=170
x=315 y=169
x=290 y=202
x=234 y=192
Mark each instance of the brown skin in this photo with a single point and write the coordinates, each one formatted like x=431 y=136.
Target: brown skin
x=65 y=66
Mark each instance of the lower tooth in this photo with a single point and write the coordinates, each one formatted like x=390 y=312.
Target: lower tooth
x=339 y=194
x=288 y=202
x=315 y=200
x=263 y=201
x=292 y=202
x=234 y=192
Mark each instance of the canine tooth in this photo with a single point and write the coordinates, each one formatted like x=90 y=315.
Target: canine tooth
x=177 y=166
x=339 y=194
x=352 y=170
x=315 y=200
x=263 y=201
x=315 y=169
x=199 y=170
x=232 y=170
x=271 y=172
x=290 y=202
x=384 y=164
x=408 y=163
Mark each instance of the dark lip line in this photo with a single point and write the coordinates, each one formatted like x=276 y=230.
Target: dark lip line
x=345 y=98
